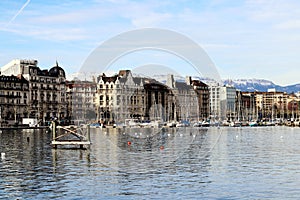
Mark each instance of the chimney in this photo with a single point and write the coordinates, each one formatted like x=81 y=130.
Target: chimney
x=170 y=81
x=188 y=80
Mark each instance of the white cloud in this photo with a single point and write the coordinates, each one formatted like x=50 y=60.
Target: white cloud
x=59 y=34
x=253 y=33
x=151 y=19
x=290 y=24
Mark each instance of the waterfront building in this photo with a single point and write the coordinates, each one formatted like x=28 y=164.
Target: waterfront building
x=116 y=97
x=46 y=98
x=245 y=106
x=14 y=94
x=80 y=101
x=293 y=105
x=270 y=105
x=202 y=91
x=191 y=99
x=186 y=99
x=123 y=96
x=222 y=102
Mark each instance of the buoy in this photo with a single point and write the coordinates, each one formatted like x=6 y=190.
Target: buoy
x=161 y=147
x=128 y=143
x=2 y=156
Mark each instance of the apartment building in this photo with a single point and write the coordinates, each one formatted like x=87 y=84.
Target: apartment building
x=14 y=95
x=123 y=96
x=47 y=90
x=80 y=100
x=222 y=102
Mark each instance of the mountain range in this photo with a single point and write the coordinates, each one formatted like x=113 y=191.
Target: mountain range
x=247 y=85
x=261 y=85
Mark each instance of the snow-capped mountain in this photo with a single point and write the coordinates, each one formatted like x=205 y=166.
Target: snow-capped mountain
x=252 y=84
x=249 y=85
x=261 y=85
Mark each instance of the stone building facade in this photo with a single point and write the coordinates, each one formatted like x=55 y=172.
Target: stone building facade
x=14 y=95
x=47 y=89
x=123 y=96
x=80 y=101
x=191 y=99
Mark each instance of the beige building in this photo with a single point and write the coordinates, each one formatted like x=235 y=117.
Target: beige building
x=271 y=105
x=274 y=104
x=123 y=96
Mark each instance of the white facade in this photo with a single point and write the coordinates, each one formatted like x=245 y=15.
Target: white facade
x=17 y=66
x=222 y=101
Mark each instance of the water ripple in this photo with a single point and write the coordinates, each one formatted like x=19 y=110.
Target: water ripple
x=225 y=163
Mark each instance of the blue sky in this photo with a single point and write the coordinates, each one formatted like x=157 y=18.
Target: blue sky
x=245 y=39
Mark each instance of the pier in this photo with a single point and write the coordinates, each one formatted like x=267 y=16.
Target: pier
x=70 y=135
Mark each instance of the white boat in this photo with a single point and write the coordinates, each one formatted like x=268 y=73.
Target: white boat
x=253 y=123
x=132 y=123
x=171 y=124
x=197 y=124
x=235 y=124
x=205 y=124
x=183 y=124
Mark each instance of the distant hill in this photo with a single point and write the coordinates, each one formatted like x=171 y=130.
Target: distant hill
x=247 y=85
x=260 y=85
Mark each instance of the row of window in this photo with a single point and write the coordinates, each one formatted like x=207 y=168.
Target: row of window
x=42 y=79
x=13 y=101
x=106 y=86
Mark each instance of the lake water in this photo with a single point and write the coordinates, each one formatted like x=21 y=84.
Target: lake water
x=185 y=163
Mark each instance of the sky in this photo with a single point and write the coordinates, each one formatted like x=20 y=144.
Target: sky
x=244 y=39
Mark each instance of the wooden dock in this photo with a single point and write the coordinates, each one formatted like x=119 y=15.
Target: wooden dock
x=72 y=135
